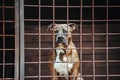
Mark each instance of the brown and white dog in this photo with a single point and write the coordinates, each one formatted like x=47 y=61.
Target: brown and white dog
x=65 y=58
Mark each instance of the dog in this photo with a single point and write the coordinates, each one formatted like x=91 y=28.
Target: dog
x=66 y=63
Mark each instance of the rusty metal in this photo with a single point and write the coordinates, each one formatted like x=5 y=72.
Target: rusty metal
x=67 y=22
x=107 y=60
x=4 y=36
x=93 y=40
x=81 y=52
x=39 y=41
x=53 y=37
x=81 y=34
x=16 y=70
x=3 y=20
x=21 y=18
x=20 y=34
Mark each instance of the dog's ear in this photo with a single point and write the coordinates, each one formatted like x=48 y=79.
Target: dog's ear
x=73 y=26
x=51 y=27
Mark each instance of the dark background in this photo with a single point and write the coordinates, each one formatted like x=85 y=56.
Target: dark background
x=100 y=22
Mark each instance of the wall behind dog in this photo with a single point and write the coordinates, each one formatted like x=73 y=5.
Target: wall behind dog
x=99 y=21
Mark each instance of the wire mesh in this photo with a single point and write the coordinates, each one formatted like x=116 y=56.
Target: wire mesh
x=26 y=22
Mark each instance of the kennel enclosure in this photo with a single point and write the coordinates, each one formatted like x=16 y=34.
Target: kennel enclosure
x=25 y=43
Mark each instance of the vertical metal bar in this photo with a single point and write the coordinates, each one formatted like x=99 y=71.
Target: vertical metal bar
x=53 y=34
x=81 y=38
x=107 y=41
x=93 y=38
x=39 y=40
x=67 y=17
x=21 y=39
x=3 y=21
x=16 y=70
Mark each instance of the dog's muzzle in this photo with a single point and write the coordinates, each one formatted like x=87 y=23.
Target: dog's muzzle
x=61 y=39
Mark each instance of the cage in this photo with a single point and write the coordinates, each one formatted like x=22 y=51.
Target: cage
x=26 y=45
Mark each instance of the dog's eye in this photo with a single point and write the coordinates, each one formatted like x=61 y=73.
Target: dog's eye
x=64 y=31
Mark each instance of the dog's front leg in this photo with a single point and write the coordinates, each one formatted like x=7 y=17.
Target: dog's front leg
x=52 y=70
x=74 y=75
x=55 y=76
x=75 y=72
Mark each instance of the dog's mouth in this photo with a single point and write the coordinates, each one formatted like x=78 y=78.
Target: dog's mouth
x=60 y=40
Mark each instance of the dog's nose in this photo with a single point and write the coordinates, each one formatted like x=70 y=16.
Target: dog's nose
x=60 y=38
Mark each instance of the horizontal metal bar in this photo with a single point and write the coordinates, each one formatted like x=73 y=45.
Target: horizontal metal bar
x=7 y=49
x=74 y=34
x=7 y=21
x=7 y=7
x=77 y=48
x=73 y=20
x=57 y=6
x=100 y=75
x=39 y=48
x=26 y=5
x=37 y=76
x=8 y=35
x=82 y=75
x=31 y=5
x=7 y=78
x=112 y=61
x=7 y=63
x=84 y=61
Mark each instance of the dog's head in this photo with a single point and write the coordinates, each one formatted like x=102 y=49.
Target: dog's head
x=62 y=32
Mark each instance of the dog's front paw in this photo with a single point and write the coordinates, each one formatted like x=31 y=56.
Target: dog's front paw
x=80 y=78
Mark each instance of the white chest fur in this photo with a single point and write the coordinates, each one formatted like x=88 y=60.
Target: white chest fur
x=62 y=67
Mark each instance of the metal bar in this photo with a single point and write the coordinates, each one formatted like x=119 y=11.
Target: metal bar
x=8 y=49
x=16 y=70
x=58 y=62
x=40 y=40
x=107 y=61
x=81 y=53
x=31 y=5
x=93 y=40
x=70 y=76
x=7 y=63
x=101 y=75
x=3 y=21
x=84 y=6
x=78 y=48
x=21 y=4
x=102 y=20
x=7 y=21
x=7 y=6
x=77 y=34
x=67 y=22
x=53 y=7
